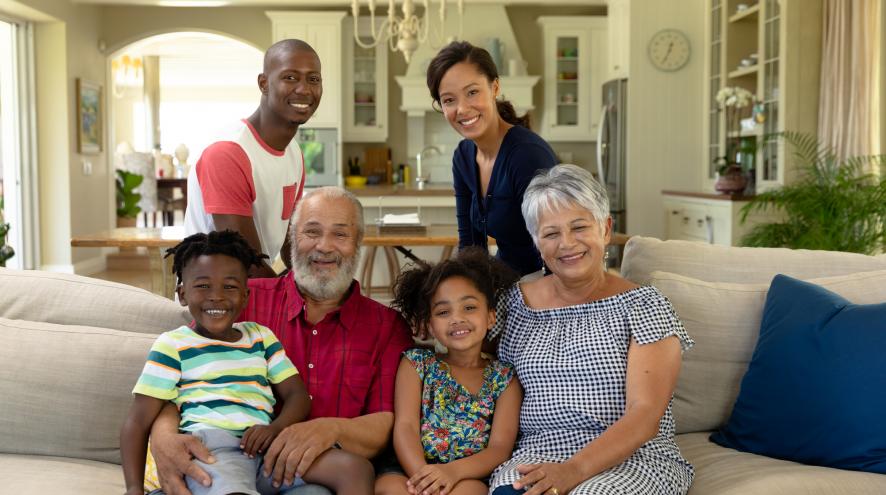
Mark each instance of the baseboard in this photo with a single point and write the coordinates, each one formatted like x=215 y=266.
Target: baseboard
x=58 y=268
x=92 y=265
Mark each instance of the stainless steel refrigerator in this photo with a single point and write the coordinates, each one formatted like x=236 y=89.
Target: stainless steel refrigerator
x=611 y=154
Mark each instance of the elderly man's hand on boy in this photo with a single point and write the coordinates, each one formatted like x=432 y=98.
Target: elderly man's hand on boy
x=172 y=455
x=298 y=446
x=257 y=439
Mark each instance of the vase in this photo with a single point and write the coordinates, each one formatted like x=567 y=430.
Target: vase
x=731 y=181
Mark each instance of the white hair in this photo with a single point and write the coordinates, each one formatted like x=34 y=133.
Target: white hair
x=330 y=192
x=562 y=186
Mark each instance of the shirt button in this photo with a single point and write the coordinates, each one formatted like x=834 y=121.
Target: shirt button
x=314 y=332
x=311 y=365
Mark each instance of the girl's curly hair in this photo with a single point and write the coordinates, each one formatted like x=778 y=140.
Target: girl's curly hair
x=226 y=242
x=415 y=287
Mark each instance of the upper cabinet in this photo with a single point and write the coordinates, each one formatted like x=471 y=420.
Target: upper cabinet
x=323 y=31
x=575 y=68
x=771 y=48
x=619 y=33
x=365 y=85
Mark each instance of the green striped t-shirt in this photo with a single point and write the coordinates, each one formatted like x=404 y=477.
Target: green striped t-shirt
x=214 y=383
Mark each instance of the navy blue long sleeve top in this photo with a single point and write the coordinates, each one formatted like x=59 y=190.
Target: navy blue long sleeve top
x=521 y=155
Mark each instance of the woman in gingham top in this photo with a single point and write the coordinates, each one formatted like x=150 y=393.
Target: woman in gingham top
x=598 y=357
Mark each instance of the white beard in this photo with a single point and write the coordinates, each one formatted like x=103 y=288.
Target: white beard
x=331 y=285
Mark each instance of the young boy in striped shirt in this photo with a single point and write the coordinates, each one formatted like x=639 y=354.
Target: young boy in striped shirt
x=221 y=374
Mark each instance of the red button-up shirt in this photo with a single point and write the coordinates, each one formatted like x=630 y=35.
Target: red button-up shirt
x=348 y=360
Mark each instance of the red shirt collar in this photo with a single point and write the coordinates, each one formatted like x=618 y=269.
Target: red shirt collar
x=347 y=312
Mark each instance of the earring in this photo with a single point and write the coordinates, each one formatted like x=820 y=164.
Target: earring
x=605 y=260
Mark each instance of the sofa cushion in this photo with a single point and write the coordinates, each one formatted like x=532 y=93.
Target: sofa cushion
x=66 y=389
x=714 y=263
x=724 y=321
x=723 y=471
x=74 y=300
x=27 y=474
x=814 y=389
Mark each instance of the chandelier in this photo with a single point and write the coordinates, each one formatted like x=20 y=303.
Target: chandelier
x=127 y=72
x=406 y=32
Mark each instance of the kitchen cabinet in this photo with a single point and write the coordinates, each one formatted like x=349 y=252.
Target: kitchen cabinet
x=710 y=218
x=575 y=55
x=771 y=48
x=365 y=99
x=323 y=31
x=618 y=17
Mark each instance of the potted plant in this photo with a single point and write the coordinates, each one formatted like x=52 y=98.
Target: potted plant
x=127 y=198
x=730 y=175
x=6 y=250
x=835 y=205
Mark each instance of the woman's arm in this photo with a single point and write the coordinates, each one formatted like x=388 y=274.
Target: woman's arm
x=134 y=440
x=505 y=424
x=407 y=417
x=652 y=372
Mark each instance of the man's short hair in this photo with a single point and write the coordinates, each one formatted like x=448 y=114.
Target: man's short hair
x=285 y=46
x=332 y=192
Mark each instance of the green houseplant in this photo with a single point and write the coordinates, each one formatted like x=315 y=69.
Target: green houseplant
x=834 y=205
x=6 y=250
x=127 y=198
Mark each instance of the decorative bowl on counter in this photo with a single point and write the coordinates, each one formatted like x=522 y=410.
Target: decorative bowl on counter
x=355 y=181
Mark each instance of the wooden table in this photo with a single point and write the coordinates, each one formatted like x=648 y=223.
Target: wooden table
x=165 y=191
x=156 y=240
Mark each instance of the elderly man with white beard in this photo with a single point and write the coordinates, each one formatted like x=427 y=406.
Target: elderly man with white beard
x=346 y=346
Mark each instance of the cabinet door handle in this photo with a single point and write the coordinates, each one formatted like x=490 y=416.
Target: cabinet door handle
x=675 y=212
x=685 y=220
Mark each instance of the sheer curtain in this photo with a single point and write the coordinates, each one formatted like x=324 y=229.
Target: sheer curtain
x=848 y=98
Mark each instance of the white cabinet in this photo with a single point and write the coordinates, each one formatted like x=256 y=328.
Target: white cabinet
x=575 y=68
x=618 y=18
x=365 y=85
x=323 y=31
x=705 y=218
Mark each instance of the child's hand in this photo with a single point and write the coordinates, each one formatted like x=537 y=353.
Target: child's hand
x=257 y=439
x=432 y=479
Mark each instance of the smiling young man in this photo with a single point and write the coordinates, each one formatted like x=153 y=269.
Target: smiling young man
x=250 y=180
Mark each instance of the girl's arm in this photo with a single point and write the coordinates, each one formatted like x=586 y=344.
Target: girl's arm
x=505 y=423
x=134 y=440
x=407 y=417
x=652 y=372
x=296 y=406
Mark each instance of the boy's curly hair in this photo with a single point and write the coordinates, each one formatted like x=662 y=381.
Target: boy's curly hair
x=415 y=287
x=227 y=242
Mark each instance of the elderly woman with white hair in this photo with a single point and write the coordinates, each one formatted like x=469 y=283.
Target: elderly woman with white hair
x=597 y=355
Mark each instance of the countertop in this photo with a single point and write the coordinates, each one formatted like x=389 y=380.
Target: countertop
x=403 y=190
x=707 y=195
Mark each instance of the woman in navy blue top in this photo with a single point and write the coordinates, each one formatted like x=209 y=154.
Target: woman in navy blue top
x=498 y=157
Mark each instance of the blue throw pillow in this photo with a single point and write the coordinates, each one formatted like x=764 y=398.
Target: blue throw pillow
x=815 y=389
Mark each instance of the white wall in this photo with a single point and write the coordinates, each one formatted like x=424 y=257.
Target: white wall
x=664 y=114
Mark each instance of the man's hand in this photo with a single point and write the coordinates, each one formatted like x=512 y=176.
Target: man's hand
x=172 y=455
x=432 y=479
x=257 y=439
x=297 y=447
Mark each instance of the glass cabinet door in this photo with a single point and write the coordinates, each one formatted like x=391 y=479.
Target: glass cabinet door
x=569 y=79
x=365 y=94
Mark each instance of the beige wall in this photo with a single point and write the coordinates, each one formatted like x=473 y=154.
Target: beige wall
x=71 y=203
x=664 y=114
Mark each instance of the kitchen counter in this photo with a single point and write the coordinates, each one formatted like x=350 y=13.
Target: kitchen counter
x=707 y=195
x=403 y=190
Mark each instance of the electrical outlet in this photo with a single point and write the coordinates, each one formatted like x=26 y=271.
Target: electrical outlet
x=87 y=167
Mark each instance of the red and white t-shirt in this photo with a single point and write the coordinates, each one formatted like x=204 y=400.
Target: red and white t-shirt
x=242 y=175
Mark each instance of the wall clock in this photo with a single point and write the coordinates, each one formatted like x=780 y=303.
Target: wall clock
x=669 y=50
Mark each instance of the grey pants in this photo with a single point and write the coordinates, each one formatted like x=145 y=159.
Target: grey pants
x=302 y=490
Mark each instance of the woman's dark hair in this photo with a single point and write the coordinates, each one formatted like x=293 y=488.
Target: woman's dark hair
x=462 y=51
x=225 y=242
x=416 y=287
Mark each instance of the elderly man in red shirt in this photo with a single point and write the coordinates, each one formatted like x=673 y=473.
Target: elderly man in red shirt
x=346 y=346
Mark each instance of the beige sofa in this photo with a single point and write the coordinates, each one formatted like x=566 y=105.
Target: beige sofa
x=75 y=346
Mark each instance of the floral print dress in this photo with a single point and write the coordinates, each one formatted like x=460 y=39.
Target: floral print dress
x=455 y=423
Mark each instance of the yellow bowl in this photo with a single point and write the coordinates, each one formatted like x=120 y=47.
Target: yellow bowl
x=355 y=181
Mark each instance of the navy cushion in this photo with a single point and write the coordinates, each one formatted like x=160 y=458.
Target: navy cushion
x=815 y=389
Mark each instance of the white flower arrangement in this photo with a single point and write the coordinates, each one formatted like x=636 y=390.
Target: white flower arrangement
x=732 y=99
x=734 y=96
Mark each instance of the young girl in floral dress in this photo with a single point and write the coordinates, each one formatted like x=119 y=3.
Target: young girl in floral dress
x=445 y=436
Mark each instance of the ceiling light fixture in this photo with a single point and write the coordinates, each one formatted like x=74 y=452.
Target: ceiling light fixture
x=406 y=32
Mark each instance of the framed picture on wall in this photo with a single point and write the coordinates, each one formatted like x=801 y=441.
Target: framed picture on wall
x=90 y=126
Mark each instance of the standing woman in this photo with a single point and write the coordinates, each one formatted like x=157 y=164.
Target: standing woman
x=498 y=157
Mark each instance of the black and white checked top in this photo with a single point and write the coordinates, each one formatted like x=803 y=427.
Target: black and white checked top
x=572 y=363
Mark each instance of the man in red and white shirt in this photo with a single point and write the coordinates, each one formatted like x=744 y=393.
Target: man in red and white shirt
x=250 y=180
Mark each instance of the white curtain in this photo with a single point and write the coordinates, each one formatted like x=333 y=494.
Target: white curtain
x=847 y=100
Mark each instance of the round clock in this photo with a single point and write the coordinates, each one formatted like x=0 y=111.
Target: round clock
x=669 y=50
